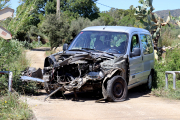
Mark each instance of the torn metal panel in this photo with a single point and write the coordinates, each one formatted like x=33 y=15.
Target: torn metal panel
x=26 y=78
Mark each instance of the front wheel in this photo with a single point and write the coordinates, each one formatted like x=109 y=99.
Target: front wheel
x=117 y=89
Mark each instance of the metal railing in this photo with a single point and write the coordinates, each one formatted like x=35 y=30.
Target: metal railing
x=174 y=78
x=10 y=79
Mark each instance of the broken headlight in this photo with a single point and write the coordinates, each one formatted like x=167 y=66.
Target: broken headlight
x=96 y=75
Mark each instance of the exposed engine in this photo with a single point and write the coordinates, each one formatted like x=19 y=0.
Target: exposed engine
x=80 y=71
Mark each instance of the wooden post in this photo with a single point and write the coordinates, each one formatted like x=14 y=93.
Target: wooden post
x=58 y=8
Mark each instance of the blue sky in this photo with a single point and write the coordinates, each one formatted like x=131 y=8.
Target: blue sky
x=125 y=4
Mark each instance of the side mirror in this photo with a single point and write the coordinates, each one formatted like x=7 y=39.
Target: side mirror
x=136 y=52
x=65 y=47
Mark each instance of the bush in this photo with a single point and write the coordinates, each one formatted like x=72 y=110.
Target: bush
x=171 y=63
x=12 y=58
x=169 y=36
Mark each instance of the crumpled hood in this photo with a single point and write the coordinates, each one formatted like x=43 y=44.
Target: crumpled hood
x=69 y=57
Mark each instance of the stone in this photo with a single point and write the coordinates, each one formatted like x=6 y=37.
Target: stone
x=155 y=54
x=178 y=36
x=54 y=49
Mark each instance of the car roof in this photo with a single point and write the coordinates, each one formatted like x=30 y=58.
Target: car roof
x=115 y=29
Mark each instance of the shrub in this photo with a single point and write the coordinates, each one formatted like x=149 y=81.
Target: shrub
x=169 y=36
x=12 y=58
x=171 y=63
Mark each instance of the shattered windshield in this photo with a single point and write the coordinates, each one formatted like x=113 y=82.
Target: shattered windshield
x=111 y=42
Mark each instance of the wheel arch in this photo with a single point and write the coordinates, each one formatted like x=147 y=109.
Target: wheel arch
x=112 y=73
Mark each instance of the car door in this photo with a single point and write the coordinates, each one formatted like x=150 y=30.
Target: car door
x=148 y=55
x=135 y=63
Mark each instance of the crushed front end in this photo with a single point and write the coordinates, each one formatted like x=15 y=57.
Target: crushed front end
x=82 y=71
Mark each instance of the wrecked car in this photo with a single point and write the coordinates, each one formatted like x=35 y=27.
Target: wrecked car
x=111 y=59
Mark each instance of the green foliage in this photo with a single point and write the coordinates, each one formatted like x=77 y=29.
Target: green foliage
x=56 y=29
x=13 y=59
x=9 y=51
x=60 y=30
x=170 y=63
x=119 y=17
x=176 y=19
x=169 y=36
x=3 y=3
x=24 y=17
x=76 y=8
x=14 y=109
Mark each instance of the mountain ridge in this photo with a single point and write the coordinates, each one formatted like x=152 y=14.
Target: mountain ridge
x=165 y=13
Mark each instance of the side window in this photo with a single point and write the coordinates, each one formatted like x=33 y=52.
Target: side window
x=146 y=44
x=134 y=42
x=150 y=45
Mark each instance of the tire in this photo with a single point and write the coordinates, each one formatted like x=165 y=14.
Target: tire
x=116 y=89
x=149 y=82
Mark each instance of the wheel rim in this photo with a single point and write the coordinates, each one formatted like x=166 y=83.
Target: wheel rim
x=118 y=89
x=150 y=82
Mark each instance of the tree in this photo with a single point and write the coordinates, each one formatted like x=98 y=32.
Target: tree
x=76 y=8
x=119 y=17
x=23 y=21
x=3 y=3
x=56 y=29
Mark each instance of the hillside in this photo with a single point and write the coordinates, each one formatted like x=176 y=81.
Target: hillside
x=164 y=13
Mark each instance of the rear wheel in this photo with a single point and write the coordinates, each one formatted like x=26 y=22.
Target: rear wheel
x=117 y=89
x=149 y=82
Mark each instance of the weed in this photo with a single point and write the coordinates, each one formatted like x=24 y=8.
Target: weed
x=14 y=109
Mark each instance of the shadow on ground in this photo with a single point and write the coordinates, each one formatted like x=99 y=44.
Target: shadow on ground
x=140 y=91
x=41 y=49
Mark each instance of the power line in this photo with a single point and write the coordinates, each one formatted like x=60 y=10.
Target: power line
x=105 y=5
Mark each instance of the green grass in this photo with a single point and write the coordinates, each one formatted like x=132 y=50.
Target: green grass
x=11 y=108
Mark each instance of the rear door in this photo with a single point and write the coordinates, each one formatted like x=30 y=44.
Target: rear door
x=135 y=63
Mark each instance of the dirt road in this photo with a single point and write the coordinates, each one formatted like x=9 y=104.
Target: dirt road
x=139 y=105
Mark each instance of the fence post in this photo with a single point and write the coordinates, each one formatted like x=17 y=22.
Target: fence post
x=10 y=81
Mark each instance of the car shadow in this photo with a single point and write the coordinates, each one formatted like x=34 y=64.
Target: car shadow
x=81 y=96
x=140 y=91
x=41 y=49
x=133 y=93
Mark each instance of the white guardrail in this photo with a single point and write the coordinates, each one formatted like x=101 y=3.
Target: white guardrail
x=174 y=78
x=10 y=79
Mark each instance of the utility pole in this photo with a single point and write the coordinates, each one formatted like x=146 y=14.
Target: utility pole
x=58 y=8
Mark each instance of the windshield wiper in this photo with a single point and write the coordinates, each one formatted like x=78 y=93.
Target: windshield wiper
x=99 y=51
